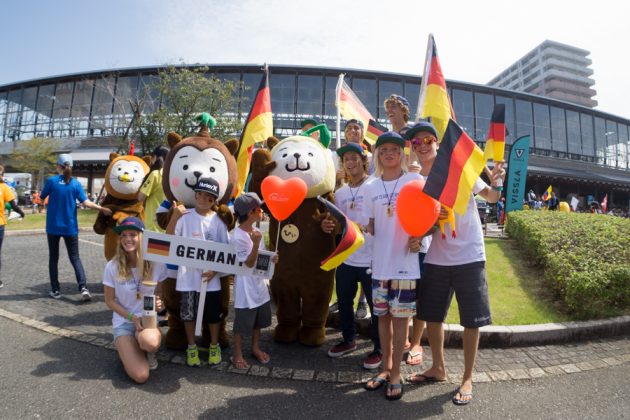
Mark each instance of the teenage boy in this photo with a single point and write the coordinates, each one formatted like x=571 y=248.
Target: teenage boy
x=397 y=110
x=356 y=269
x=252 y=307
x=395 y=267
x=200 y=223
x=456 y=265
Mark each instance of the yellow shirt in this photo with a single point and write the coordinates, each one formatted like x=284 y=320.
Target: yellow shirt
x=6 y=195
x=152 y=188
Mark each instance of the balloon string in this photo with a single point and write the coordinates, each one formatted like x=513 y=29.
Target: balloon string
x=278 y=236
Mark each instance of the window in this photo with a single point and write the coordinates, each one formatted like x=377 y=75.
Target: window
x=385 y=89
x=600 y=140
x=464 y=110
x=558 y=130
x=588 y=136
x=412 y=93
x=309 y=101
x=612 y=140
x=573 y=132
x=365 y=89
x=484 y=107
x=622 y=148
x=542 y=127
x=282 y=93
x=524 y=125
x=251 y=82
x=330 y=95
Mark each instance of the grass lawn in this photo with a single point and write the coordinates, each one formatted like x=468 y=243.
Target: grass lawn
x=38 y=221
x=517 y=295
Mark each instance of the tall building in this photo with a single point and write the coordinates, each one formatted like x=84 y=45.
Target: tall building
x=553 y=70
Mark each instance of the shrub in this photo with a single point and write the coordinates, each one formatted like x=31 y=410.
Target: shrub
x=585 y=257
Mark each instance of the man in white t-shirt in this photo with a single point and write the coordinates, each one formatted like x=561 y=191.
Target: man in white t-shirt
x=456 y=265
x=395 y=267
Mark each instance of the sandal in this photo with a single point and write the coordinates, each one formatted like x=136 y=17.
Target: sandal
x=415 y=357
x=240 y=364
x=378 y=380
x=392 y=387
x=461 y=400
x=262 y=357
x=422 y=379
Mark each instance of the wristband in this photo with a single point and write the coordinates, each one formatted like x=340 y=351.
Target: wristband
x=499 y=188
x=130 y=316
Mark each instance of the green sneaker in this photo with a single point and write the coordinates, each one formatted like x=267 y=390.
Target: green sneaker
x=214 y=355
x=192 y=356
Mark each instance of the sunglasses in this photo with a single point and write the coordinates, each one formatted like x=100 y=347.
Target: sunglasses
x=426 y=140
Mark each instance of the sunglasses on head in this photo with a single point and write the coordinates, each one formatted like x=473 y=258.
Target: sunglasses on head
x=426 y=140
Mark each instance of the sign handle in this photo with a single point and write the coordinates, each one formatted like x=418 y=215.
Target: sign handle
x=278 y=236
x=200 y=308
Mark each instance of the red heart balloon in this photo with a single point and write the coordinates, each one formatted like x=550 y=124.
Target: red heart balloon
x=416 y=211
x=283 y=197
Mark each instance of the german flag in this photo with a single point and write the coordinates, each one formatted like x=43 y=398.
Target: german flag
x=348 y=241
x=350 y=107
x=495 y=145
x=158 y=247
x=258 y=127
x=374 y=129
x=457 y=166
x=434 y=102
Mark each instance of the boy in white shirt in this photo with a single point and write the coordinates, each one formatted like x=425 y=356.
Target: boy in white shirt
x=200 y=223
x=252 y=307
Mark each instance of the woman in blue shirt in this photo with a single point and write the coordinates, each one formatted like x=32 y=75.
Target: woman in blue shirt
x=61 y=222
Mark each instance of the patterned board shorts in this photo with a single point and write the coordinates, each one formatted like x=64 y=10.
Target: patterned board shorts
x=396 y=297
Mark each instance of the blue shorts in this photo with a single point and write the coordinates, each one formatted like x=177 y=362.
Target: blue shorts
x=128 y=328
x=395 y=297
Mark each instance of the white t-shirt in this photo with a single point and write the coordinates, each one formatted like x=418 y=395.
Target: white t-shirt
x=362 y=257
x=468 y=246
x=126 y=290
x=391 y=258
x=211 y=228
x=249 y=291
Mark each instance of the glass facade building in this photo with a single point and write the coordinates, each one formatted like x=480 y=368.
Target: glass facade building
x=90 y=105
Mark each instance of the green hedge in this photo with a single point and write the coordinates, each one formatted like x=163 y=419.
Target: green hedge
x=586 y=257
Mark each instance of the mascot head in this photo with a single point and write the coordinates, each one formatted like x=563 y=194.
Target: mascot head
x=125 y=174
x=305 y=158
x=200 y=156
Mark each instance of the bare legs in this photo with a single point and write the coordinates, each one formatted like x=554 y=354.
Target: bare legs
x=131 y=351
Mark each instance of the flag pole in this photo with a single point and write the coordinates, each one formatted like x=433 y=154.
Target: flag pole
x=338 y=103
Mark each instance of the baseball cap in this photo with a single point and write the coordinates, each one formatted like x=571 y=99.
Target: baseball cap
x=64 y=158
x=246 y=202
x=308 y=121
x=390 y=137
x=207 y=185
x=354 y=121
x=350 y=147
x=130 y=223
x=420 y=127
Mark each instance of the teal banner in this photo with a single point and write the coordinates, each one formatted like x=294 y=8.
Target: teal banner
x=517 y=174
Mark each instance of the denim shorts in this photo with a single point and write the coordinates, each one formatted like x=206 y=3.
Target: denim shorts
x=128 y=328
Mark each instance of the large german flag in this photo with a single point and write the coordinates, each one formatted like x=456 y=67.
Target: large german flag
x=349 y=239
x=350 y=107
x=457 y=166
x=374 y=129
x=495 y=145
x=434 y=102
x=258 y=127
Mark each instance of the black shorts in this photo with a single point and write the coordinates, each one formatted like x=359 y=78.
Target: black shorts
x=247 y=320
x=212 y=312
x=468 y=281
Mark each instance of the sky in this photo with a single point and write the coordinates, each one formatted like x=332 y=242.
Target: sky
x=476 y=40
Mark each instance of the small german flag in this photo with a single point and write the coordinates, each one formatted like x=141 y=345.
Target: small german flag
x=349 y=239
x=495 y=145
x=374 y=130
x=457 y=166
x=158 y=247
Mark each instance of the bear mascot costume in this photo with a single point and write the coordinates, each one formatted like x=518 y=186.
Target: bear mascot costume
x=301 y=289
x=123 y=180
x=190 y=159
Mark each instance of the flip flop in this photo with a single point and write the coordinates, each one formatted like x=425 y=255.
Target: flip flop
x=240 y=365
x=461 y=401
x=390 y=388
x=422 y=379
x=262 y=359
x=414 y=358
x=379 y=380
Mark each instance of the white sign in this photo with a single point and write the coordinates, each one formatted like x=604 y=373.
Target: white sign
x=206 y=255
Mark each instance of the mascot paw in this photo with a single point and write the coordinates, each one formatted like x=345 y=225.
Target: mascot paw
x=312 y=336
x=284 y=334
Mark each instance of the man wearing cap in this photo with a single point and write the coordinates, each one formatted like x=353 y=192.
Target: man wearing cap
x=395 y=268
x=61 y=222
x=200 y=223
x=350 y=199
x=307 y=124
x=397 y=109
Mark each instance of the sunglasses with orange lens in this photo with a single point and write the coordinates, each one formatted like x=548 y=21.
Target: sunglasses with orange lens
x=426 y=140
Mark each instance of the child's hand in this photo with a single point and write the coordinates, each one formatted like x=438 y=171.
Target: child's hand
x=275 y=258
x=207 y=276
x=179 y=210
x=414 y=244
x=443 y=212
x=328 y=225
x=137 y=321
x=256 y=236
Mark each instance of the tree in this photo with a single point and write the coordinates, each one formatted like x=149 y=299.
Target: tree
x=35 y=156
x=183 y=93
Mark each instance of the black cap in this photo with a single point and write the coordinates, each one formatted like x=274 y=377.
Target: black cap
x=420 y=127
x=246 y=202
x=207 y=185
x=351 y=147
x=354 y=121
x=130 y=223
x=390 y=137
x=308 y=121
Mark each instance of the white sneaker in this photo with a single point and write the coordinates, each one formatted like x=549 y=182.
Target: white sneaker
x=152 y=360
x=362 y=311
x=85 y=294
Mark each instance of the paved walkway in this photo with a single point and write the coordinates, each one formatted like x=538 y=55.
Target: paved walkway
x=24 y=299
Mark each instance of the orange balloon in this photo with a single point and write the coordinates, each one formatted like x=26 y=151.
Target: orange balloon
x=416 y=211
x=283 y=197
